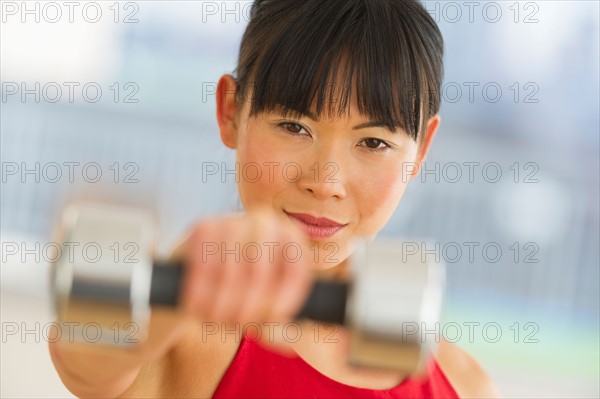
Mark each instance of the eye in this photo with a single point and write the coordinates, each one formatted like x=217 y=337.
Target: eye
x=373 y=144
x=293 y=128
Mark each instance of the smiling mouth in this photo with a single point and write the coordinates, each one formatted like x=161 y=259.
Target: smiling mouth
x=315 y=228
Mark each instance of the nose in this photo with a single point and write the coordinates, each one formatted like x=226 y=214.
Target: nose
x=323 y=180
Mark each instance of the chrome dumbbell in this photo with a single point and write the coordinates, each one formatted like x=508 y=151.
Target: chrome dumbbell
x=387 y=305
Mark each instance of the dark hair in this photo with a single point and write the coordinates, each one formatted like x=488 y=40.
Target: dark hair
x=389 y=51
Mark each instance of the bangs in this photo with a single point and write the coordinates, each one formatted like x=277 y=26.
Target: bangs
x=327 y=54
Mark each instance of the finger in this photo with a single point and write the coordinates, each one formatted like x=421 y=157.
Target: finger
x=264 y=275
x=206 y=270
x=294 y=285
x=234 y=283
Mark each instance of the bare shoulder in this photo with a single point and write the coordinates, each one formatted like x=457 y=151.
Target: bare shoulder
x=191 y=367
x=465 y=374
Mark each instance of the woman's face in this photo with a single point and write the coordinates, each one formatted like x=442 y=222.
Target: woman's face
x=340 y=169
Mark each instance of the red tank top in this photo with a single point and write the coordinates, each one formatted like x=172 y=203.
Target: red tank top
x=257 y=372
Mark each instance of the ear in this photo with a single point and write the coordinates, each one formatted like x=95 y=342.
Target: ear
x=227 y=110
x=431 y=130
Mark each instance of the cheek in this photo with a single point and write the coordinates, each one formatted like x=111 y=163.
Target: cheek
x=259 y=166
x=379 y=194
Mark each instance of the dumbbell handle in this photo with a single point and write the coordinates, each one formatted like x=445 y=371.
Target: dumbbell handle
x=326 y=302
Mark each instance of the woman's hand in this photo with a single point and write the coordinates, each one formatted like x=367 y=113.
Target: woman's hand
x=249 y=268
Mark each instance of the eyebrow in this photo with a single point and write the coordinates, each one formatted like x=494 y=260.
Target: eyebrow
x=357 y=127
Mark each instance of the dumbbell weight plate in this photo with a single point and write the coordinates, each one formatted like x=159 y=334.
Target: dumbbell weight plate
x=101 y=281
x=394 y=306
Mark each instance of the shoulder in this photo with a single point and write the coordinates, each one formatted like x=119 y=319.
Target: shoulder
x=190 y=364
x=466 y=376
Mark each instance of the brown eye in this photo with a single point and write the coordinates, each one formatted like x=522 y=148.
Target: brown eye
x=373 y=143
x=293 y=128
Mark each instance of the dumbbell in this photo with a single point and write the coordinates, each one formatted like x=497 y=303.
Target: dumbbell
x=114 y=281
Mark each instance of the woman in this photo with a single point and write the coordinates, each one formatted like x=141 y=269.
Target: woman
x=333 y=107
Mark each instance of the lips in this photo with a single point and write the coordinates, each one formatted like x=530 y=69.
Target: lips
x=316 y=228
x=315 y=221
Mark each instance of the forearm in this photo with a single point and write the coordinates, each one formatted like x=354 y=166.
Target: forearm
x=95 y=370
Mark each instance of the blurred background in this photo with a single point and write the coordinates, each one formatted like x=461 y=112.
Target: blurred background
x=115 y=100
